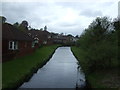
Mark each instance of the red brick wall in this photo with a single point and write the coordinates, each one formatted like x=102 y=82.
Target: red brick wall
x=6 y=53
x=49 y=41
x=24 y=48
x=5 y=46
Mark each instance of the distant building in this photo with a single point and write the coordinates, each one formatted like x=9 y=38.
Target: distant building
x=40 y=37
x=119 y=9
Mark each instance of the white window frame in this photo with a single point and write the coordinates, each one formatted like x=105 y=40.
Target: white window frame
x=13 y=45
x=33 y=44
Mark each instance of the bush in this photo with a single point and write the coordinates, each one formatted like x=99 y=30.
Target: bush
x=98 y=45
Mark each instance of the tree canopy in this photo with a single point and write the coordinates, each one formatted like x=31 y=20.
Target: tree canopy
x=45 y=28
x=2 y=19
x=98 y=43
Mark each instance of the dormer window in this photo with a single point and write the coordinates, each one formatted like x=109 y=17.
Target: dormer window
x=13 y=45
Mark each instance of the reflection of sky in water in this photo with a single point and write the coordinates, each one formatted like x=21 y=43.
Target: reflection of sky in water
x=60 y=72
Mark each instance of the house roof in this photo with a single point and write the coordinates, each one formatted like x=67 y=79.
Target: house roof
x=42 y=35
x=9 y=32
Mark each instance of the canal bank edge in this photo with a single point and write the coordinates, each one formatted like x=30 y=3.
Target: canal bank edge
x=88 y=85
x=31 y=73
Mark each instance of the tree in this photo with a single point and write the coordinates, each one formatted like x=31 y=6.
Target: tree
x=116 y=24
x=2 y=19
x=24 y=24
x=77 y=36
x=41 y=29
x=45 y=28
x=69 y=35
x=61 y=34
x=98 y=44
x=16 y=24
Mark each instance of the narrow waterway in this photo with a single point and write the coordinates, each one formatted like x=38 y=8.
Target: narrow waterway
x=61 y=71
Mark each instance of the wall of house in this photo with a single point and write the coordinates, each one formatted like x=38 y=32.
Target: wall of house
x=4 y=46
x=6 y=53
x=50 y=41
x=24 y=48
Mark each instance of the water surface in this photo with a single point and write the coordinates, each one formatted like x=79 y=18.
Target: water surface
x=61 y=71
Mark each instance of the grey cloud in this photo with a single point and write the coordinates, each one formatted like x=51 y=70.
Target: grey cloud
x=77 y=30
x=75 y=5
x=33 y=12
x=74 y=31
x=50 y=14
x=108 y=4
x=91 y=13
x=14 y=12
x=37 y=16
x=65 y=24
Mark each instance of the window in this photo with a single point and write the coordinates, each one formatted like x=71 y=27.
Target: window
x=13 y=45
x=36 y=41
x=33 y=44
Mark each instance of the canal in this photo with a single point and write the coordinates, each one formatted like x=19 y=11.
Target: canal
x=61 y=71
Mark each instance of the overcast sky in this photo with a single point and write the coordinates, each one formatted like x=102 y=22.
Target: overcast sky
x=68 y=17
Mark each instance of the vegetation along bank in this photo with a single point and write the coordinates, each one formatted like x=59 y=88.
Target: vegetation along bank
x=97 y=52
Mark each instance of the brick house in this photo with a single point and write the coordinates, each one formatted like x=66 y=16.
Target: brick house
x=15 y=43
x=40 y=37
x=59 y=39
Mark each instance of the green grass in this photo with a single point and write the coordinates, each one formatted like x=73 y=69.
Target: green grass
x=107 y=78
x=15 y=71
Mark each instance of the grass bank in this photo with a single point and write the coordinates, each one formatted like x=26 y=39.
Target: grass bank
x=107 y=78
x=16 y=71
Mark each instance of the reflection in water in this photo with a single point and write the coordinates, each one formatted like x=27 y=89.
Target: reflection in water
x=81 y=83
x=62 y=71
